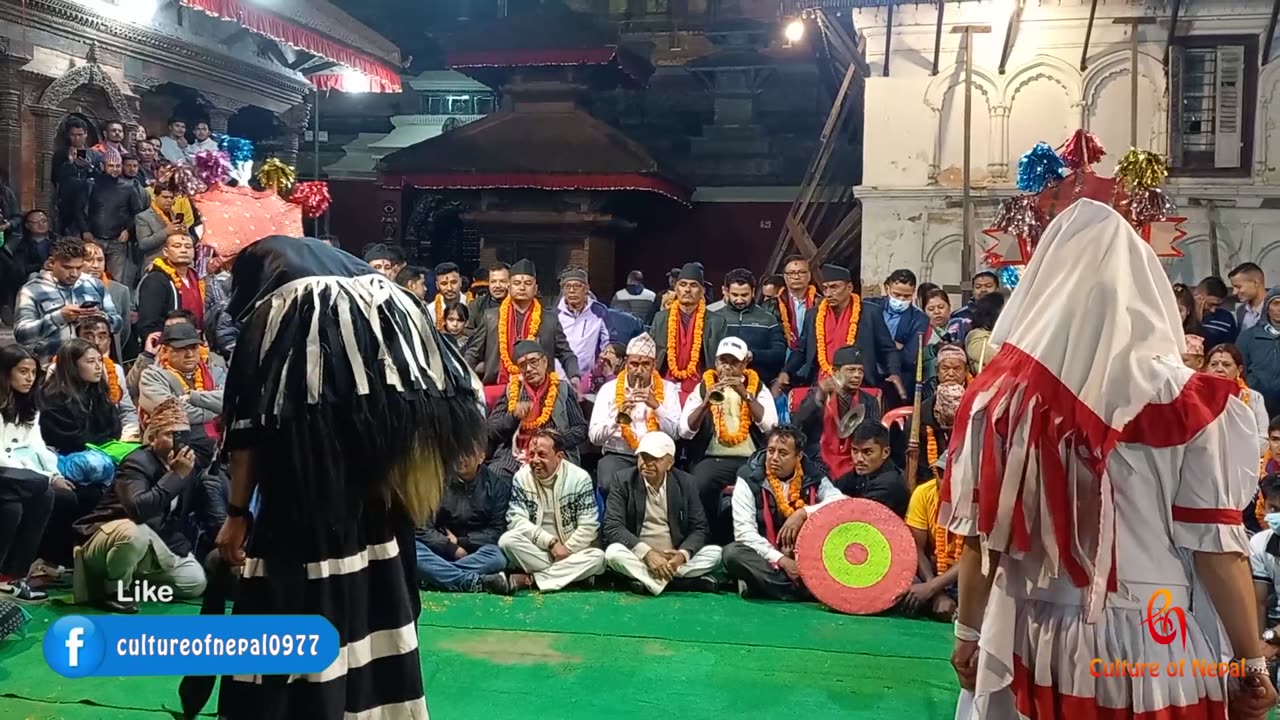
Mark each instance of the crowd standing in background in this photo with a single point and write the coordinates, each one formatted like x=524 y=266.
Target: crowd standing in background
x=675 y=438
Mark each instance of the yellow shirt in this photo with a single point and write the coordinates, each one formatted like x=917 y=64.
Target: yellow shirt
x=923 y=508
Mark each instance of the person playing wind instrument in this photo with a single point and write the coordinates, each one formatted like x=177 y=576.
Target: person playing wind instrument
x=725 y=419
x=637 y=402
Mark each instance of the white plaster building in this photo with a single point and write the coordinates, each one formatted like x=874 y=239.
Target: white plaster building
x=1227 y=154
x=447 y=99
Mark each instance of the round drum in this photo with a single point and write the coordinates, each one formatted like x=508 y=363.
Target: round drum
x=856 y=556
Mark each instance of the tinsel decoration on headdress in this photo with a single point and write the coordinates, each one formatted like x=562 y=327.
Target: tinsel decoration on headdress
x=237 y=148
x=313 y=196
x=1016 y=231
x=213 y=167
x=180 y=179
x=1039 y=167
x=1009 y=276
x=275 y=175
x=1081 y=150
x=1141 y=170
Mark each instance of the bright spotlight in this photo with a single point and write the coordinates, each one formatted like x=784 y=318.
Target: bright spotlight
x=795 y=31
x=354 y=81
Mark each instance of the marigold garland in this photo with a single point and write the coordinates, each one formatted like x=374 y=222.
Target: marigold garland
x=1244 y=390
x=784 y=314
x=695 y=352
x=788 y=499
x=947 y=547
x=163 y=266
x=820 y=331
x=723 y=436
x=651 y=420
x=198 y=374
x=504 y=344
x=931 y=445
x=544 y=412
x=1260 y=505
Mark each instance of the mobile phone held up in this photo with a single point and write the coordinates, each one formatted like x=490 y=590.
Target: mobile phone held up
x=89 y=305
x=180 y=218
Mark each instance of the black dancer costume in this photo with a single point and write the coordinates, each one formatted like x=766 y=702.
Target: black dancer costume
x=351 y=407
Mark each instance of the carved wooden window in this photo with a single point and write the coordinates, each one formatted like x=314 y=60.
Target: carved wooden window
x=1212 y=96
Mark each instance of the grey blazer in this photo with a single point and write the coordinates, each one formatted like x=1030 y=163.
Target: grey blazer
x=151 y=236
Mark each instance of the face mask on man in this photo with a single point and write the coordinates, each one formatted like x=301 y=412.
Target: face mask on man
x=635 y=288
x=1272 y=520
x=898 y=305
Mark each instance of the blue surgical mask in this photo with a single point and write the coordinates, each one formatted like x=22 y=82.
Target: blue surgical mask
x=898 y=305
x=635 y=288
x=1272 y=520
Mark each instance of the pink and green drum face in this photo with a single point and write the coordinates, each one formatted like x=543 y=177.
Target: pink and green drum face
x=856 y=556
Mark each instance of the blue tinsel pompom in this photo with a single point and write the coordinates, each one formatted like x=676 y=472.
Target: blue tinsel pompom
x=1039 y=167
x=237 y=148
x=1009 y=276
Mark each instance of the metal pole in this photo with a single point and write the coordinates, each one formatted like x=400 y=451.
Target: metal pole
x=315 y=116
x=966 y=247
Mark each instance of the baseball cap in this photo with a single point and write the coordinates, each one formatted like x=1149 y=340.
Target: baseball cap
x=734 y=347
x=180 y=335
x=656 y=444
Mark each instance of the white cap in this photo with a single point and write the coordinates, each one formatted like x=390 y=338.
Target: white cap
x=733 y=346
x=656 y=444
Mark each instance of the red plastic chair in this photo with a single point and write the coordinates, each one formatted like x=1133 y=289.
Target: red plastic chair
x=493 y=393
x=898 y=416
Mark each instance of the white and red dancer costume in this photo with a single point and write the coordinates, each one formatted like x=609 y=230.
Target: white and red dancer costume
x=1094 y=469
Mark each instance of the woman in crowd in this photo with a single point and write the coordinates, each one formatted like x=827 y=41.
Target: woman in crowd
x=977 y=343
x=1227 y=362
x=455 y=322
x=28 y=474
x=937 y=307
x=77 y=411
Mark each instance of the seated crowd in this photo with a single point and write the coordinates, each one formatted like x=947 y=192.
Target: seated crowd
x=684 y=457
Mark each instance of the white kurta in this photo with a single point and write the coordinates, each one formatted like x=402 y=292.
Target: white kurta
x=1169 y=502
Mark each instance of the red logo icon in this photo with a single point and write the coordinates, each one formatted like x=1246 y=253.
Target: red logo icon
x=1160 y=623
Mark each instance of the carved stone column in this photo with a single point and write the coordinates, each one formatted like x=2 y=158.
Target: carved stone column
x=11 y=115
x=47 y=119
x=220 y=109
x=294 y=121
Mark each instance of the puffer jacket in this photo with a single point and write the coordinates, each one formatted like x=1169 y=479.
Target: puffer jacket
x=762 y=333
x=1260 y=346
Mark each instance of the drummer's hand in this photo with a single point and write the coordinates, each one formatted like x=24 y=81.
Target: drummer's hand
x=789 y=566
x=1252 y=698
x=791 y=528
x=964 y=660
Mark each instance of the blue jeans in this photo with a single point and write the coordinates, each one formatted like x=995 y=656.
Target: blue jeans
x=458 y=575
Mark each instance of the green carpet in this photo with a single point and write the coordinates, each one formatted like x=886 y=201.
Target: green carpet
x=579 y=655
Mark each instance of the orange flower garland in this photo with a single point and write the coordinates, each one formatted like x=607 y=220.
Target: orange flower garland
x=651 y=420
x=1244 y=390
x=199 y=377
x=931 y=445
x=820 y=331
x=504 y=344
x=544 y=412
x=784 y=314
x=695 y=353
x=163 y=266
x=744 y=415
x=947 y=547
x=788 y=499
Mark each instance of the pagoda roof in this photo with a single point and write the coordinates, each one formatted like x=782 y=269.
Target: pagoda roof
x=553 y=37
x=562 y=150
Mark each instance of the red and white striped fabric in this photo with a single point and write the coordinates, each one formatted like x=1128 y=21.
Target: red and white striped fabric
x=1094 y=462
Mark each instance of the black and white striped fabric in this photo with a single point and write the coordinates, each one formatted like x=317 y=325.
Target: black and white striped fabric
x=338 y=383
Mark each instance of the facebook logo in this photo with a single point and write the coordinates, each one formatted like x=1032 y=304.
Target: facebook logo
x=74 y=646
